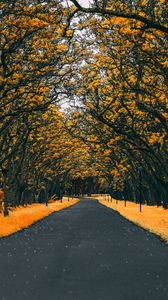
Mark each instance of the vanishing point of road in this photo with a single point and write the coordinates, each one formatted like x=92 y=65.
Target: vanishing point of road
x=85 y=252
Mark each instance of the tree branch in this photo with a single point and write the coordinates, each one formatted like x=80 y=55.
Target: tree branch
x=149 y=23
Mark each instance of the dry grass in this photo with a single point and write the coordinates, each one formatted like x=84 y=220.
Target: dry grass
x=152 y=218
x=23 y=217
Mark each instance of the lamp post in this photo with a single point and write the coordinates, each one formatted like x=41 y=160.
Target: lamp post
x=117 y=188
x=45 y=191
x=140 y=188
x=125 y=200
x=6 y=212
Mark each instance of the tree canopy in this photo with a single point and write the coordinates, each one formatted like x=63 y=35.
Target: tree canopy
x=108 y=63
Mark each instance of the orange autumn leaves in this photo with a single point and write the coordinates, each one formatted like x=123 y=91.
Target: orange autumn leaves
x=33 y=48
x=111 y=69
x=23 y=217
x=152 y=218
x=122 y=84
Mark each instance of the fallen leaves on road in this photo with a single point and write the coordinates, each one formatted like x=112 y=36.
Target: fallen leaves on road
x=23 y=217
x=152 y=218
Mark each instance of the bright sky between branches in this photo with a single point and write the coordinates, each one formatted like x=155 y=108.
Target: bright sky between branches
x=84 y=3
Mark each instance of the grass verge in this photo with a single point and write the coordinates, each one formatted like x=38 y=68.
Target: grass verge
x=23 y=217
x=152 y=218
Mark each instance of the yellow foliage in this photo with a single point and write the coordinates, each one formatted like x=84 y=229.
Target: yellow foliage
x=152 y=218
x=61 y=47
x=23 y=217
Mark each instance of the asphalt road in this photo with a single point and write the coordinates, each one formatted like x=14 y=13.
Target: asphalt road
x=85 y=252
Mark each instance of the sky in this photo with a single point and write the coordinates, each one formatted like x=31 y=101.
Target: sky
x=84 y=2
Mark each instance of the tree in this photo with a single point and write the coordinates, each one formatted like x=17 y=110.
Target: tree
x=124 y=86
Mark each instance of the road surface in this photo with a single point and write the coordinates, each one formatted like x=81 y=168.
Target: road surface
x=85 y=252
